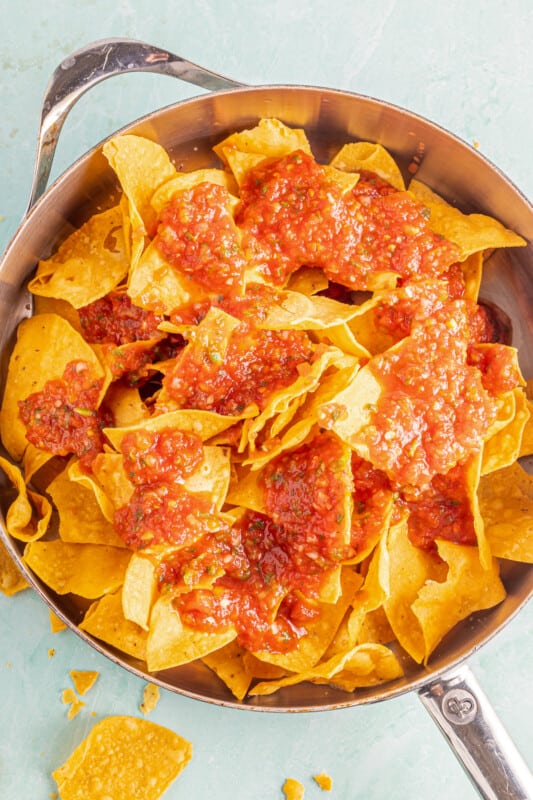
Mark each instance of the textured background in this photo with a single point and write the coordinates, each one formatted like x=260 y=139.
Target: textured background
x=467 y=66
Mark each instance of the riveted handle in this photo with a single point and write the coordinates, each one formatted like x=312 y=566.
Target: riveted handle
x=467 y=720
x=92 y=64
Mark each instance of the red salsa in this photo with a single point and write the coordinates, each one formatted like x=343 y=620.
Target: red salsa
x=261 y=593
x=434 y=410
x=65 y=417
x=440 y=511
x=256 y=364
x=305 y=491
x=198 y=235
x=372 y=498
x=160 y=456
x=160 y=509
x=114 y=319
x=292 y=214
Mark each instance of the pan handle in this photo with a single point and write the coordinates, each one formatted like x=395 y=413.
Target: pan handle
x=94 y=63
x=467 y=720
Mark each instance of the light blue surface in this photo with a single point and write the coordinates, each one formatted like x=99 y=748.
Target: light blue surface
x=467 y=66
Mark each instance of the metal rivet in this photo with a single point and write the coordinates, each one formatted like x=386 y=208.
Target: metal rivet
x=459 y=706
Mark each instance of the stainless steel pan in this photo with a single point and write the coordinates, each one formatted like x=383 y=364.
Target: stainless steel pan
x=188 y=130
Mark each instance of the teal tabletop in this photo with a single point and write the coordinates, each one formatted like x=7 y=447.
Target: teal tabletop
x=465 y=65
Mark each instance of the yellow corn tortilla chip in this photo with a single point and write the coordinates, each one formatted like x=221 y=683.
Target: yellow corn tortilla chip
x=372 y=157
x=88 y=265
x=88 y=570
x=126 y=405
x=231 y=667
x=468 y=587
x=280 y=401
x=45 y=345
x=105 y=621
x=308 y=281
x=29 y=514
x=121 y=758
x=298 y=311
x=410 y=568
x=362 y=665
x=526 y=445
x=80 y=517
x=471 y=232
x=205 y=424
x=11 y=578
x=83 y=680
x=472 y=268
x=141 y=167
x=506 y=505
x=269 y=139
x=155 y=284
x=139 y=590
x=503 y=448
x=108 y=482
x=187 y=180
x=170 y=643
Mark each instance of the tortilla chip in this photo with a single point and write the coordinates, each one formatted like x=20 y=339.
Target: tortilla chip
x=506 y=505
x=468 y=587
x=141 y=167
x=371 y=157
x=170 y=643
x=139 y=590
x=410 y=568
x=154 y=283
x=232 y=668
x=504 y=447
x=45 y=345
x=105 y=621
x=187 y=180
x=269 y=139
x=471 y=232
x=88 y=570
x=11 y=579
x=81 y=519
x=88 y=265
x=123 y=757
x=28 y=516
x=56 y=624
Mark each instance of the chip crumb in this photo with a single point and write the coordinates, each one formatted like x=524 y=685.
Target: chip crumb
x=475 y=143
x=83 y=680
x=324 y=781
x=151 y=696
x=51 y=652
x=9 y=664
x=293 y=789
x=76 y=705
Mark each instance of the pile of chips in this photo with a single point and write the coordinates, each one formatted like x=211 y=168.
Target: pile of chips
x=260 y=419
